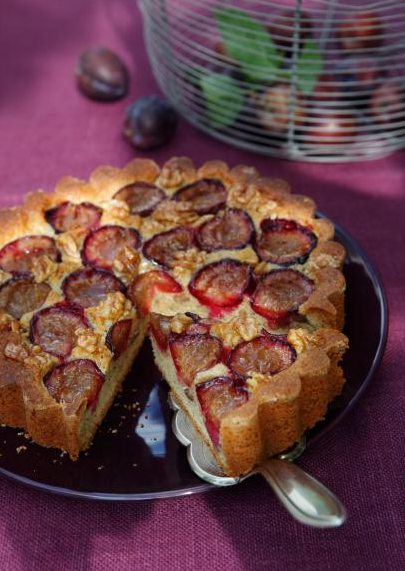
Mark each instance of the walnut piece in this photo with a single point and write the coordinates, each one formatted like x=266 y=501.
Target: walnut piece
x=300 y=339
x=117 y=212
x=255 y=380
x=115 y=306
x=252 y=198
x=168 y=214
x=70 y=243
x=8 y=322
x=126 y=264
x=186 y=262
x=240 y=327
x=16 y=352
x=4 y=276
x=31 y=355
x=42 y=268
x=88 y=339
x=177 y=172
x=180 y=323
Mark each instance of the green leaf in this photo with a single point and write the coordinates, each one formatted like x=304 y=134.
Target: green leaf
x=248 y=42
x=224 y=99
x=309 y=66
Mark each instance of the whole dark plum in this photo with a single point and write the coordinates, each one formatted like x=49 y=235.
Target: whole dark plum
x=281 y=29
x=150 y=122
x=272 y=110
x=387 y=104
x=102 y=75
x=361 y=30
x=358 y=75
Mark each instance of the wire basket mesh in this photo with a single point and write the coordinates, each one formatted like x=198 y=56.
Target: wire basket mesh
x=317 y=80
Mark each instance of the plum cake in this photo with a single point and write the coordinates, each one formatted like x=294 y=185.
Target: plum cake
x=237 y=281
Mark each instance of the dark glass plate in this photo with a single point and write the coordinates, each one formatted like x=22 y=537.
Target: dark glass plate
x=135 y=456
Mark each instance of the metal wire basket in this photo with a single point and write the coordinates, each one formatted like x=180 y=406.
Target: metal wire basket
x=318 y=80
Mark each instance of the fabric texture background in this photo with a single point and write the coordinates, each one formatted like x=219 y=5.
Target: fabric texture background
x=49 y=130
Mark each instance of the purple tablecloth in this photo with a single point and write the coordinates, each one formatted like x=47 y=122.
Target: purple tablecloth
x=48 y=130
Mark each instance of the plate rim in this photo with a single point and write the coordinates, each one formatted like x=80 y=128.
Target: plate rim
x=203 y=487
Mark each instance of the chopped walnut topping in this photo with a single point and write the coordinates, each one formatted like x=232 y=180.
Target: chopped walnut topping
x=320 y=261
x=300 y=339
x=186 y=262
x=7 y=321
x=115 y=306
x=16 y=352
x=87 y=339
x=4 y=276
x=175 y=212
x=180 y=323
x=102 y=356
x=126 y=264
x=263 y=198
x=56 y=278
x=30 y=355
x=117 y=212
x=167 y=215
x=42 y=268
x=252 y=198
x=70 y=243
x=261 y=268
x=240 y=327
x=255 y=380
x=91 y=344
x=177 y=172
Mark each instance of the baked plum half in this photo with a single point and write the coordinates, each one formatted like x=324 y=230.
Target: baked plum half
x=194 y=352
x=18 y=257
x=118 y=336
x=142 y=290
x=22 y=295
x=232 y=230
x=103 y=245
x=221 y=284
x=162 y=248
x=71 y=382
x=284 y=242
x=54 y=328
x=217 y=397
x=279 y=293
x=206 y=195
x=266 y=354
x=89 y=286
x=68 y=216
x=141 y=197
x=160 y=328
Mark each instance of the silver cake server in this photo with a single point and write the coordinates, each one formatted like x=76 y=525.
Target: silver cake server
x=306 y=499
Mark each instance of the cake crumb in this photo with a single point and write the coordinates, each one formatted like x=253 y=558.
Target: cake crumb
x=134 y=465
x=114 y=431
x=100 y=467
x=21 y=449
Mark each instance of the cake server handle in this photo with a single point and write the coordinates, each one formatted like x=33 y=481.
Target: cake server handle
x=306 y=499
